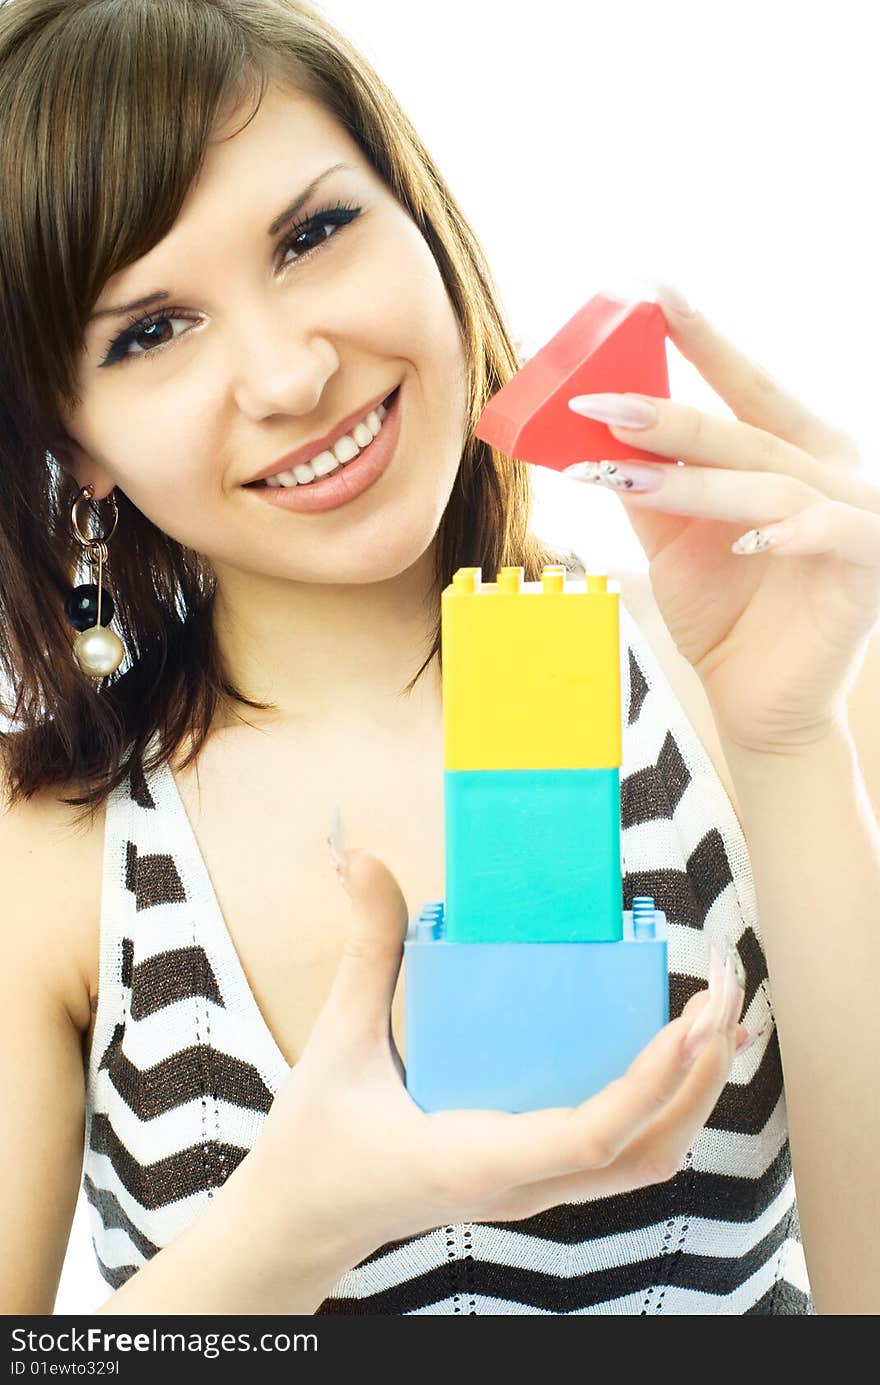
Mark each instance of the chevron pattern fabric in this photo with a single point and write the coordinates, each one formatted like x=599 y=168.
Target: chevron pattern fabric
x=183 y=1070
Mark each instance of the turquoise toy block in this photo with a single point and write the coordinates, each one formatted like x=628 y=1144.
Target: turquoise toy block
x=533 y=856
x=522 y=1026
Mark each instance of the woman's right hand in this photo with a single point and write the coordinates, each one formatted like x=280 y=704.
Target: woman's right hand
x=356 y=1160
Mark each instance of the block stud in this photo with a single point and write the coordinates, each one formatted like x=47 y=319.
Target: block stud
x=643 y=916
x=468 y=579
x=510 y=579
x=553 y=578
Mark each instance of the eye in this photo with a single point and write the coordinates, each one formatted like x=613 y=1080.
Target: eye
x=336 y=217
x=117 y=350
x=339 y=215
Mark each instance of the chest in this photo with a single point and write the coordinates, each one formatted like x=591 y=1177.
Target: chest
x=261 y=815
x=286 y=912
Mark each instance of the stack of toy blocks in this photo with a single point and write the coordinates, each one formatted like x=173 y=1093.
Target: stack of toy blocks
x=531 y=987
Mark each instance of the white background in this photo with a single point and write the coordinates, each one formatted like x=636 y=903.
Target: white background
x=730 y=149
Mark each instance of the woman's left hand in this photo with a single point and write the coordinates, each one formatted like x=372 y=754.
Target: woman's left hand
x=777 y=641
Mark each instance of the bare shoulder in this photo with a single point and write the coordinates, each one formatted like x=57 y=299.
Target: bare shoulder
x=51 y=868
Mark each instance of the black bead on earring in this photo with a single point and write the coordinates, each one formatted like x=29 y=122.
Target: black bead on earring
x=89 y=608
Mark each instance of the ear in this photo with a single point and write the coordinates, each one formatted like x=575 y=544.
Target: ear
x=78 y=464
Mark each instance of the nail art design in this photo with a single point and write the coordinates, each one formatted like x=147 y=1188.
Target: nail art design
x=755 y=541
x=631 y=477
x=591 y=471
x=734 y=981
x=736 y=962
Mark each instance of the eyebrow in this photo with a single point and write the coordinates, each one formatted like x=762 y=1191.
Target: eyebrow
x=281 y=219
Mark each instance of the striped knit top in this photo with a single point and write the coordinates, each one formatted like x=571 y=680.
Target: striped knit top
x=183 y=1070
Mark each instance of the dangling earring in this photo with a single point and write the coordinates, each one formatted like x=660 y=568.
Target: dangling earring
x=89 y=609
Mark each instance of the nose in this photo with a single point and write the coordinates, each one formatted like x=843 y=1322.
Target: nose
x=281 y=370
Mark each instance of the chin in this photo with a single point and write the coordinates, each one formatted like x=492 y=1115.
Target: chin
x=385 y=559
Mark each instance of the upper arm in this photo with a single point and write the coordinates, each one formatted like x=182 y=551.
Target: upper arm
x=42 y=1087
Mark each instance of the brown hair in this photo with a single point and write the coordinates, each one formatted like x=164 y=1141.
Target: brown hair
x=165 y=70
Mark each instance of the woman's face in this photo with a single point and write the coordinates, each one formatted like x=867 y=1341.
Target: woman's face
x=267 y=348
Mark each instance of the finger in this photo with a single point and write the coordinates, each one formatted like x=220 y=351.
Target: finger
x=710 y=493
x=656 y=1153
x=749 y=389
x=485 y=1152
x=653 y=1156
x=825 y=527
x=689 y=1108
x=690 y=435
x=359 y=1000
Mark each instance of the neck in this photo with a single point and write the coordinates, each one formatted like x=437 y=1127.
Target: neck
x=329 y=655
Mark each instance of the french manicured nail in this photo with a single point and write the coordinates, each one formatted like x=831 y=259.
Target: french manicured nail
x=621 y=410
x=631 y=477
x=668 y=296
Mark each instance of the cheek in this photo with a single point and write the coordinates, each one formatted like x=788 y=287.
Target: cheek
x=167 y=472
x=408 y=292
x=155 y=439
x=173 y=479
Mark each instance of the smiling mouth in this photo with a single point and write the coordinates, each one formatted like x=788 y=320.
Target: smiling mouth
x=386 y=404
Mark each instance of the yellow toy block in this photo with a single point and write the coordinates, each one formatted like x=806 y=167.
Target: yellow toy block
x=531 y=674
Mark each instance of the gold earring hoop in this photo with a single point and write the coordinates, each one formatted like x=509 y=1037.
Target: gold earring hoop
x=89 y=608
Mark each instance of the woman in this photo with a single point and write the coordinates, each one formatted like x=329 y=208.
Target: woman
x=243 y=1081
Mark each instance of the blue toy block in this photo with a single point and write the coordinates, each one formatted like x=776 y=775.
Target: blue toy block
x=522 y=1026
x=533 y=855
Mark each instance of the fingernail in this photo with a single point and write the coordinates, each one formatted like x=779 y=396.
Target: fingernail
x=335 y=842
x=726 y=996
x=632 y=477
x=734 y=982
x=708 y=1021
x=734 y=995
x=722 y=947
x=745 y=1044
x=668 y=296
x=622 y=410
x=755 y=541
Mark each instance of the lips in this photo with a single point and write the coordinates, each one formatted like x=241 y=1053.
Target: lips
x=313 y=450
x=348 y=482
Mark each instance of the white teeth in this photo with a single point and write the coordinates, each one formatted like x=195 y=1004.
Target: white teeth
x=324 y=463
x=344 y=450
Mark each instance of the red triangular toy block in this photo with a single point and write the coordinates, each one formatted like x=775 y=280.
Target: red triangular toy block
x=610 y=345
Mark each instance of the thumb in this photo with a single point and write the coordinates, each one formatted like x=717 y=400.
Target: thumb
x=363 y=987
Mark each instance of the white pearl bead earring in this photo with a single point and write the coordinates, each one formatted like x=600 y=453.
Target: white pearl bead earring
x=89 y=608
